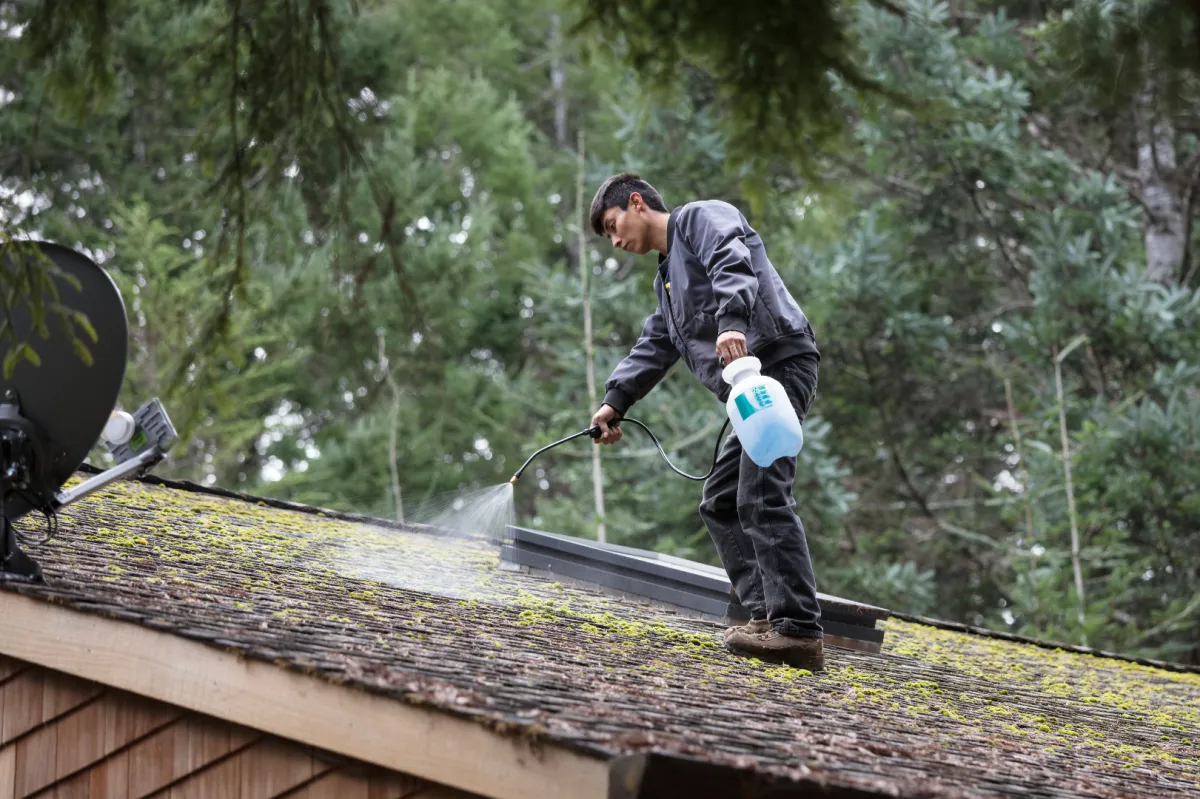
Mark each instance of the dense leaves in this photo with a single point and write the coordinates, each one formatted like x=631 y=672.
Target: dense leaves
x=993 y=240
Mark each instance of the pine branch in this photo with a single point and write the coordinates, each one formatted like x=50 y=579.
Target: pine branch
x=998 y=237
x=889 y=183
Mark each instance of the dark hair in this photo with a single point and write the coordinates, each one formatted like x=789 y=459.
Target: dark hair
x=615 y=192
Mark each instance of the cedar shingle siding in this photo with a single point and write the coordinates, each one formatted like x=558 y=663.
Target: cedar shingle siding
x=66 y=738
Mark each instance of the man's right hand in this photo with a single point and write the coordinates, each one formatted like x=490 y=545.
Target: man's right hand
x=609 y=433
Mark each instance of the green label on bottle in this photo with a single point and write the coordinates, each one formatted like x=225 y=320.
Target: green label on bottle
x=744 y=407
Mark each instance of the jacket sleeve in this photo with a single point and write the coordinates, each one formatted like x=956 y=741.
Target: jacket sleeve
x=715 y=234
x=643 y=367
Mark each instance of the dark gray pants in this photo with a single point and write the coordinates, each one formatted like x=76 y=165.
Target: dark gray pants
x=749 y=513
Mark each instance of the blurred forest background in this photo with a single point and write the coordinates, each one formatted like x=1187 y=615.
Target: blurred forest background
x=349 y=230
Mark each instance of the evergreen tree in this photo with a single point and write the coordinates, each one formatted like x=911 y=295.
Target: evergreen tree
x=988 y=222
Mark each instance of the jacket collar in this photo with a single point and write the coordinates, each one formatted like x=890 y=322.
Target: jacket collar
x=662 y=259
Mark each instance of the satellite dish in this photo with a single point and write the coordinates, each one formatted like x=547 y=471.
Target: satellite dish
x=54 y=410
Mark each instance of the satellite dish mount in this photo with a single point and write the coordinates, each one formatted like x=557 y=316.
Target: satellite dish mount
x=54 y=411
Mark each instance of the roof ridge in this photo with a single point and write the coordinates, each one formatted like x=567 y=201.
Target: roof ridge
x=984 y=632
x=282 y=504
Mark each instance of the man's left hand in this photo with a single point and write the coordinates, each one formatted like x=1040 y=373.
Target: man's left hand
x=731 y=345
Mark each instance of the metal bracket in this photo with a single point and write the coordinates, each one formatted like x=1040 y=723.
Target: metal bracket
x=120 y=472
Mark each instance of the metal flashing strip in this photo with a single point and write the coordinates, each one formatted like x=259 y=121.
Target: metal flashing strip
x=711 y=608
x=693 y=588
x=642 y=561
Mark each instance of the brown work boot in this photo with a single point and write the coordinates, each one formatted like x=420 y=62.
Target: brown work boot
x=750 y=628
x=801 y=653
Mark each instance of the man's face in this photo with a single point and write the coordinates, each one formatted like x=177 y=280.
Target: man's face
x=629 y=229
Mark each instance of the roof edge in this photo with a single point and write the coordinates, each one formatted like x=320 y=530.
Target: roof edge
x=648 y=775
x=984 y=632
x=355 y=723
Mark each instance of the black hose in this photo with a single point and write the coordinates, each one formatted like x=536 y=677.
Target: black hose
x=595 y=432
x=654 y=438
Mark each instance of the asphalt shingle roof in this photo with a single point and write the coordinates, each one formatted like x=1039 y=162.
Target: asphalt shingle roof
x=433 y=620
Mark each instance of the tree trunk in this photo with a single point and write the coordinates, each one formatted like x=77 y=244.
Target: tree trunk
x=584 y=270
x=558 y=81
x=1162 y=195
x=1076 y=565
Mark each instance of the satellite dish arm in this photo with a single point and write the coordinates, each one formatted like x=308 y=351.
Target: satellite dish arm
x=129 y=468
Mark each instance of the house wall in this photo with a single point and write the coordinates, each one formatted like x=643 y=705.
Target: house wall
x=66 y=738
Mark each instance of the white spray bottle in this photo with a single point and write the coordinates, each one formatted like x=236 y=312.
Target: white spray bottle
x=762 y=415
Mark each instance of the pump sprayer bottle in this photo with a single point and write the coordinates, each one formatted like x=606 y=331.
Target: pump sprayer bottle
x=763 y=417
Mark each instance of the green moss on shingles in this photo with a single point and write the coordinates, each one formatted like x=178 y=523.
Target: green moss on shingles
x=413 y=587
x=1082 y=678
x=1059 y=681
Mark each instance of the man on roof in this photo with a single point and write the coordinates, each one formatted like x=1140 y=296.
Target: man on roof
x=720 y=299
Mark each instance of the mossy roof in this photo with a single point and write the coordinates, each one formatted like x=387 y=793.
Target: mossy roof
x=428 y=619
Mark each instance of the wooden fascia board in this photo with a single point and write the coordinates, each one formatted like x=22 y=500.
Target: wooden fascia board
x=426 y=743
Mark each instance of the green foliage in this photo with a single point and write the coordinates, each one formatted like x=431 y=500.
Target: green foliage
x=894 y=585
x=977 y=251
x=246 y=88
x=1115 y=45
x=946 y=249
x=29 y=285
x=220 y=401
x=780 y=94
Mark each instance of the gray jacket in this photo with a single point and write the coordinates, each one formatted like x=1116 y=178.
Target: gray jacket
x=717 y=277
